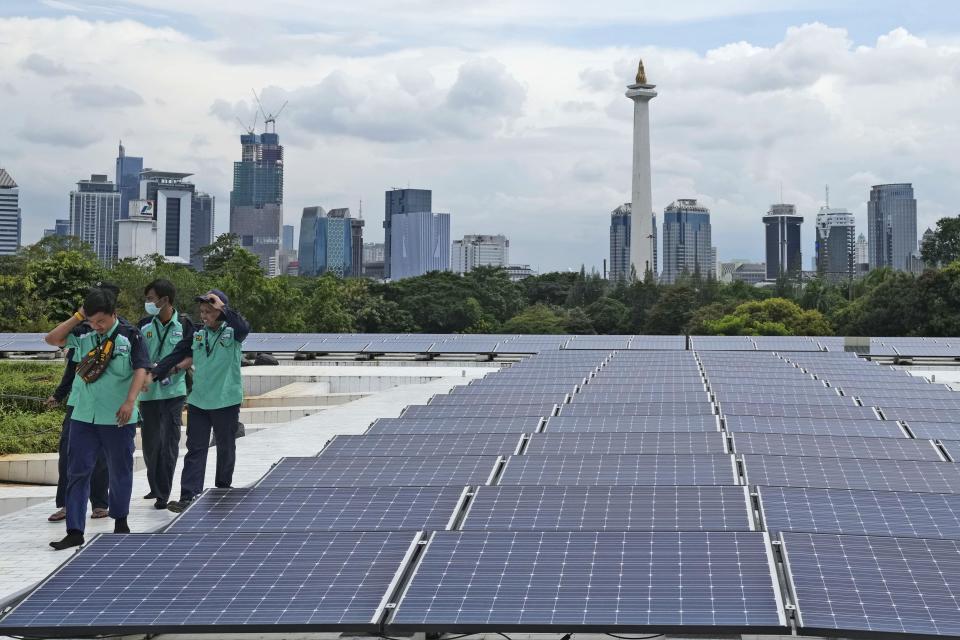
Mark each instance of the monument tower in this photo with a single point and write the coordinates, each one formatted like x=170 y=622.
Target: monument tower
x=642 y=246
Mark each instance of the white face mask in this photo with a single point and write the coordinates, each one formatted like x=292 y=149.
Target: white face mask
x=151 y=308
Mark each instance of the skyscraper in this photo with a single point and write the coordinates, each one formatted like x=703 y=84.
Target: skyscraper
x=287 y=244
x=333 y=251
x=836 y=244
x=94 y=213
x=401 y=201
x=863 y=252
x=620 y=242
x=643 y=236
x=127 y=179
x=256 y=201
x=783 y=241
x=308 y=236
x=356 y=246
x=11 y=223
x=687 y=246
x=479 y=251
x=202 y=233
x=892 y=226
x=420 y=243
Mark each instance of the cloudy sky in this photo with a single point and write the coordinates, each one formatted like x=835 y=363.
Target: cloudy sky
x=512 y=112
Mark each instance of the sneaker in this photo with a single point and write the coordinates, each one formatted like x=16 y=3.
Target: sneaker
x=177 y=506
x=150 y=496
x=160 y=504
x=58 y=515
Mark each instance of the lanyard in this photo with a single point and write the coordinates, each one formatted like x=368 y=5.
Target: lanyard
x=207 y=346
x=163 y=338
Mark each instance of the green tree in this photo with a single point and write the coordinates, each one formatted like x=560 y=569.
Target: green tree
x=577 y=322
x=889 y=305
x=772 y=317
x=538 y=319
x=672 y=312
x=944 y=247
x=61 y=277
x=17 y=298
x=608 y=315
x=549 y=288
x=217 y=255
x=325 y=308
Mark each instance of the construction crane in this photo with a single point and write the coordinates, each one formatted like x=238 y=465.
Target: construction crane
x=271 y=118
x=252 y=128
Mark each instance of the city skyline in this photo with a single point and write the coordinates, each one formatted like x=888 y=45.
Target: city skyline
x=800 y=98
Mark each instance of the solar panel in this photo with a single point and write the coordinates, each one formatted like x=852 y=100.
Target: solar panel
x=884 y=513
x=907 y=391
x=780 y=444
x=498 y=398
x=636 y=442
x=186 y=583
x=637 y=409
x=875 y=584
x=919 y=414
x=469 y=581
x=798 y=411
x=468 y=444
x=385 y=426
x=853 y=473
x=386 y=471
x=659 y=342
x=888 y=401
x=286 y=509
x=624 y=424
x=609 y=508
x=616 y=397
x=814 y=426
x=663 y=469
x=814 y=398
x=478 y=411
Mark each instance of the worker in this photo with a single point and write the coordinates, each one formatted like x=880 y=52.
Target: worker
x=214 y=401
x=112 y=365
x=169 y=339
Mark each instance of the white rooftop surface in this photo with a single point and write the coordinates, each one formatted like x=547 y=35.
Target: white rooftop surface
x=27 y=558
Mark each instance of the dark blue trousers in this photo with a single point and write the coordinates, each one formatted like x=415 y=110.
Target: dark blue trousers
x=86 y=442
x=160 y=434
x=199 y=423
x=98 y=481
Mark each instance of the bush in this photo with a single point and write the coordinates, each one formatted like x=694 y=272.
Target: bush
x=26 y=426
x=22 y=432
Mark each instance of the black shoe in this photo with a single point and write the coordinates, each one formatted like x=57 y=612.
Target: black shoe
x=160 y=504
x=150 y=496
x=120 y=525
x=178 y=506
x=72 y=539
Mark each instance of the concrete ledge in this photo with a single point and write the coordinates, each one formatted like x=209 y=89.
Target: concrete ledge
x=41 y=468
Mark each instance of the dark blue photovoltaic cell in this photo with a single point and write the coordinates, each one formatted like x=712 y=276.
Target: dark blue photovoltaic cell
x=853 y=473
x=637 y=409
x=558 y=443
x=433 y=412
x=467 y=444
x=593 y=396
x=876 y=584
x=812 y=396
x=815 y=426
x=798 y=411
x=498 y=398
x=920 y=414
x=369 y=471
x=779 y=444
x=161 y=583
x=454 y=425
x=882 y=513
x=702 y=469
x=287 y=509
x=576 y=424
x=609 y=508
x=615 y=581
x=890 y=401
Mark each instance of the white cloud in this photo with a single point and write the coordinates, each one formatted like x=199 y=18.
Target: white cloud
x=514 y=136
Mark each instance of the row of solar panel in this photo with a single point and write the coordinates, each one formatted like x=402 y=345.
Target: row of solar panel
x=573 y=508
x=617 y=469
x=706 y=582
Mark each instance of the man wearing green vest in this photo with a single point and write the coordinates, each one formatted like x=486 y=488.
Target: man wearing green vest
x=111 y=370
x=169 y=340
x=214 y=402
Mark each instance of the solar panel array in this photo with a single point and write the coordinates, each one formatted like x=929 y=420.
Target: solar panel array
x=607 y=484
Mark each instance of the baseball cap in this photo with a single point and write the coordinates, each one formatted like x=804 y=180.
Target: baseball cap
x=220 y=294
